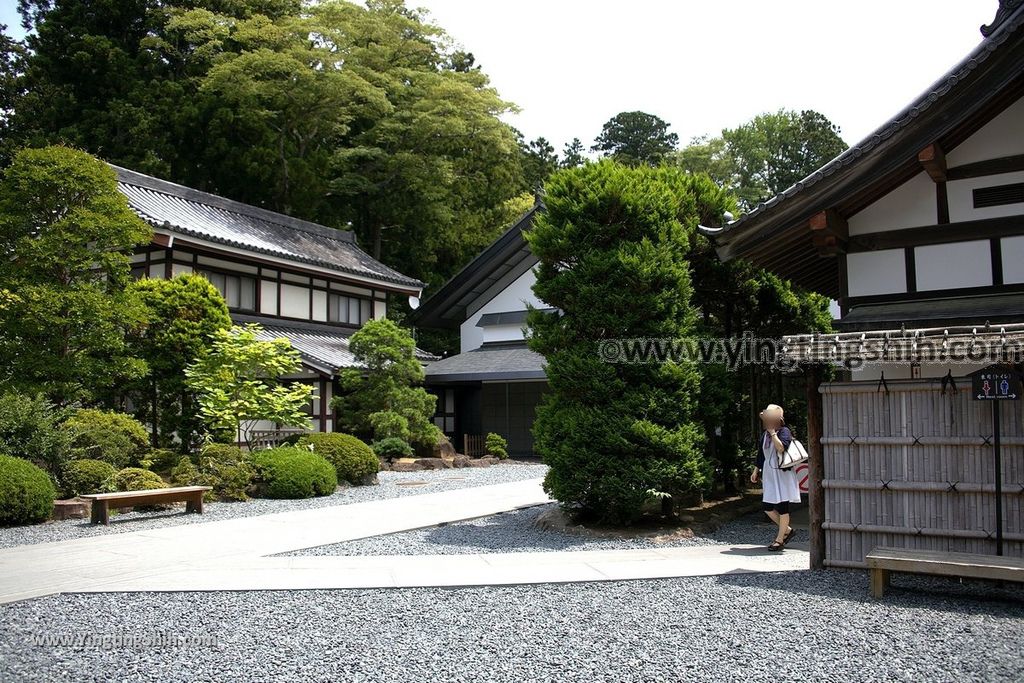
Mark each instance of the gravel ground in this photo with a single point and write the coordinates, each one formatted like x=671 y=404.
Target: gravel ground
x=751 y=627
x=517 y=532
x=390 y=487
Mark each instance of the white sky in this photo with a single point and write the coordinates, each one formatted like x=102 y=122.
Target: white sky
x=703 y=65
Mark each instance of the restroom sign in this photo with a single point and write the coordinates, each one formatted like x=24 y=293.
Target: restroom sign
x=995 y=383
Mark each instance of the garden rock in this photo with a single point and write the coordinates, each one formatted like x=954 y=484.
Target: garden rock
x=73 y=508
x=434 y=463
x=460 y=460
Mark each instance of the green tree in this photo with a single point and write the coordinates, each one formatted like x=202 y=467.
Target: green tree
x=238 y=383
x=182 y=315
x=11 y=59
x=634 y=138
x=766 y=155
x=539 y=161
x=66 y=231
x=612 y=249
x=573 y=154
x=383 y=399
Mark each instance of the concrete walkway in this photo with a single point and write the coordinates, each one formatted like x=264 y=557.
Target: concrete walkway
x=232 y=554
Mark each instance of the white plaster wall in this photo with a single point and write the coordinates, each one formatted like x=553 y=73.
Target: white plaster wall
x=268 y=297
x=876 y=272
x=873 y=373
x=380 y=309
x=514 y=297
x=910 y=205
x=294 y=301
x=961 y=198
x=1003 y=136
x=180 y=269
x=952 y=266
x=502 y=333
x=319 y=305
x=1012 y=250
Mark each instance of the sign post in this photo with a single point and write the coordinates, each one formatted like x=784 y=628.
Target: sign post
x=996 y=383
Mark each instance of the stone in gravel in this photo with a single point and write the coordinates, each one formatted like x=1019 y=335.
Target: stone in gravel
x=460 y=460
x=444 y=449
x=73 y=508
x=478 y=462
x=399 y=466
x=434 y=463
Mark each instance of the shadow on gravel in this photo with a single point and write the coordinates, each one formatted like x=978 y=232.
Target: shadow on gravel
x=505 y=532
x=907 y=591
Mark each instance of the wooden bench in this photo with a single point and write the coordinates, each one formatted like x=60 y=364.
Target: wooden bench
x=881 y=561
x=102 y=502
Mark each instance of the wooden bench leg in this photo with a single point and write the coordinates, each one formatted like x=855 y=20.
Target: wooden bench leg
x=100 y=513
x=195 y=505
x=879 y=582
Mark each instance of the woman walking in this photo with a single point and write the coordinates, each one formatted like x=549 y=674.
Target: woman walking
x=780 y=486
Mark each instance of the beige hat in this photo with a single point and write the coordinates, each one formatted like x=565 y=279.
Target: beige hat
x=773 y=410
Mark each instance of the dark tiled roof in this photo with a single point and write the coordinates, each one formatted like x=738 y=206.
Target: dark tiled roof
x=322 y=347
x=509 y=254
x=498 y=362
x=192 y=213
x=993 y=308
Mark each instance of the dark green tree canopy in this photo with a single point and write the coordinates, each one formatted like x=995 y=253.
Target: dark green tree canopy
x=634 y=138
x=573 y=154
x=65 y=231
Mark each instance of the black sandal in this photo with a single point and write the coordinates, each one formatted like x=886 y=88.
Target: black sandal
x=776 y=546
x=785 y=541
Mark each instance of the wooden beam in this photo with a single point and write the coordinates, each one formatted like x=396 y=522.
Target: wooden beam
x=829 y=233
x=977 y=169
x=963 y=231
x=933 y=161
x=815 y=466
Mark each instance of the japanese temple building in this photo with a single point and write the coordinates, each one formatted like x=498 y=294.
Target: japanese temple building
x=917 y=232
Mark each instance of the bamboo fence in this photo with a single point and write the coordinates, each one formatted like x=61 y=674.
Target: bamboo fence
x=908 y=465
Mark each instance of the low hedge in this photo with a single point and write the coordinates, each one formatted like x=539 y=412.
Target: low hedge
x=136 y=479
x=392 y=448
x=26 y=492
x=86 y=476
x=108 y=436
x=292 y=472
x=353 y=460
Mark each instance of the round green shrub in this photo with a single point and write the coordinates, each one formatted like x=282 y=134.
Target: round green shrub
x=353 y=460
x=137 y=479
x=111 y=437
x=496 y=445
x=26 y=492
x=86 y=476
x=226 y=470
x=291 y=472
x=391 y=448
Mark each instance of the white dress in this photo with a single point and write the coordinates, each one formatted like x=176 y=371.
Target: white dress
x=779 y=485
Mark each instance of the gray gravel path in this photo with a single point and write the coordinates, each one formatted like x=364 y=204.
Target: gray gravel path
x=392 y=485
x=517 y=531
x=723 y=628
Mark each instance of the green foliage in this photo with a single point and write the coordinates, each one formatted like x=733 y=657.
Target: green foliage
x=65 y=231
x=573 y=154
x=237 y=383
x=539 y=161
x=182 y=315
x=30 y=429
x=86 y=476
x=392 y=448
x=291 y=472
x=136 y=479
x=227 y=470
x=612 y=248
x=353 y=460
x=26 y=492
x=115 y=438
x=635 y=138
x=496 y=445
x=384 y=400
x=766 y=155
x=380 y=121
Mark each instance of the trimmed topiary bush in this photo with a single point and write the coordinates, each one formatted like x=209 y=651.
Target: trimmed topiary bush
x=26 y=492
x=136 y=479
x=86 y=476
x=291 y=472
x=392 y=448
x=353 y=460
x=496 y=445
x=111 y=437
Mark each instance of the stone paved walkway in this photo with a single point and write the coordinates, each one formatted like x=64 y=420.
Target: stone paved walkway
x=233 y=554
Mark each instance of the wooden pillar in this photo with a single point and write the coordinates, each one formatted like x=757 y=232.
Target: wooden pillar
x=815 y=466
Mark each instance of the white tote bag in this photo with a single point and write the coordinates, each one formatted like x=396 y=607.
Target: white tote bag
x=793 y=456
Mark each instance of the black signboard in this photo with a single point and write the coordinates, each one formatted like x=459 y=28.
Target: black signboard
x=995 y=383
